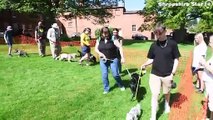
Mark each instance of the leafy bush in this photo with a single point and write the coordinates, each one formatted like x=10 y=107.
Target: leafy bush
x=98 y=32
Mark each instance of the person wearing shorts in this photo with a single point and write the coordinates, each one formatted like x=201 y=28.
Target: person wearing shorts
x=199 y=53
x=164 y=56
x=8 y=37
x=85 y=45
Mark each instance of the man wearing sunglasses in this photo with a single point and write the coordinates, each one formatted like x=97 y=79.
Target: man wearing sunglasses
x=163 y=55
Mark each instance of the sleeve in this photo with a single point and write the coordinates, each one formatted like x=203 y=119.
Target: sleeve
x=5 y=36
x=176 y=52
x=150 y=54
x=48 y=34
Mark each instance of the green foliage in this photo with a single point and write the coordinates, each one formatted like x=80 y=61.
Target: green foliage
x=98 y=34
x=58 y=7
x=175 y=17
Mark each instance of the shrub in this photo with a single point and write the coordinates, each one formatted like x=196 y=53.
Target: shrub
x=97 y=32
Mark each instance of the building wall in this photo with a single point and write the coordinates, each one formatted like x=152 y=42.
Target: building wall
x=121 y=20
x=20 y=22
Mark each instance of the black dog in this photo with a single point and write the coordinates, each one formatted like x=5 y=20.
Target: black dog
x=21 y=53
x=91 y=59
x=134 y=83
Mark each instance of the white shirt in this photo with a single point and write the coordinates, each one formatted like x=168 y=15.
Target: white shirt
x=198 y=53
x=207 y=76
x=53 y=35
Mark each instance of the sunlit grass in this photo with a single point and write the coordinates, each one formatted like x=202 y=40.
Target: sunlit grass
x=42 y=88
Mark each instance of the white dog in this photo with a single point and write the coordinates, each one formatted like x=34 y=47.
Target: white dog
x=67 y=57
x=134 y=113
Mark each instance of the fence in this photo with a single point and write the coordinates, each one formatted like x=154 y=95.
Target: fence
x=30 y=40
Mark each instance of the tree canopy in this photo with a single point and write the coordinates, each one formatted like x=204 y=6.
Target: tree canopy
x=55 y=7
x=177 y=14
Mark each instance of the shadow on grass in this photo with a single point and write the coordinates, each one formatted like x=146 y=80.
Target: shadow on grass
x=161 y=107
x=141 y=91
x=176 y=100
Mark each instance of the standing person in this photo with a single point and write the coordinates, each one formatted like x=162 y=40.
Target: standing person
x=107 y=50
x=164 y=56
x=8 y=37
x=85 y=45
x=120 y=40
x=40 y=39
x=199 y=53
x=53 y=35
x=208 y=78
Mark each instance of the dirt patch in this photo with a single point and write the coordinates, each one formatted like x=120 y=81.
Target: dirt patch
x=184 y=101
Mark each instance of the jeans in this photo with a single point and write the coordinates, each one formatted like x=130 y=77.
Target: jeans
x=113 y=64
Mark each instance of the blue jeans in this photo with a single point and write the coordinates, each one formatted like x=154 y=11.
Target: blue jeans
x=113 y=64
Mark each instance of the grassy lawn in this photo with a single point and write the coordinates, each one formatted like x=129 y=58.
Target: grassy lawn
x=37 y=88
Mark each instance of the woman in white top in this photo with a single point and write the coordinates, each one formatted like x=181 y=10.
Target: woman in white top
x=208 y=78
x=198 y=54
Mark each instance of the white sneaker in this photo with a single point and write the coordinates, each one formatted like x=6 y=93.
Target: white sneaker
x=105 y=92
x=122 y=88
x=167 y=110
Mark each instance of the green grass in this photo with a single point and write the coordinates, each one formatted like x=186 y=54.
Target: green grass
x=37 y=88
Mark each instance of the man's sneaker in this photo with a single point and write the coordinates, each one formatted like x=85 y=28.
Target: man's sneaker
x=105 y=92
x=122 y=88
x=167 y=110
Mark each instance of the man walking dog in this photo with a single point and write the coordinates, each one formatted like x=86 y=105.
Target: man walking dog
x=164 y=56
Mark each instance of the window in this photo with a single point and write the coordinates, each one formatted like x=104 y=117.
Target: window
x=133 y=27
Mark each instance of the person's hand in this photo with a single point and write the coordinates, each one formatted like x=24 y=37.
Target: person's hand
x=143 y=67
x=122 y=60
x=102 y=56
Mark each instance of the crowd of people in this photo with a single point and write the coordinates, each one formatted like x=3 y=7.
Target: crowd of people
x=163 y=54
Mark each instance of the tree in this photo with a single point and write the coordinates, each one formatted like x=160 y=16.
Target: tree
x=176 y=14
x=57 y=7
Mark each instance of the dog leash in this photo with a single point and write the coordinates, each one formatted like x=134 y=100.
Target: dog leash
x=141 y=73
x=136 y=92
x=129 y=73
